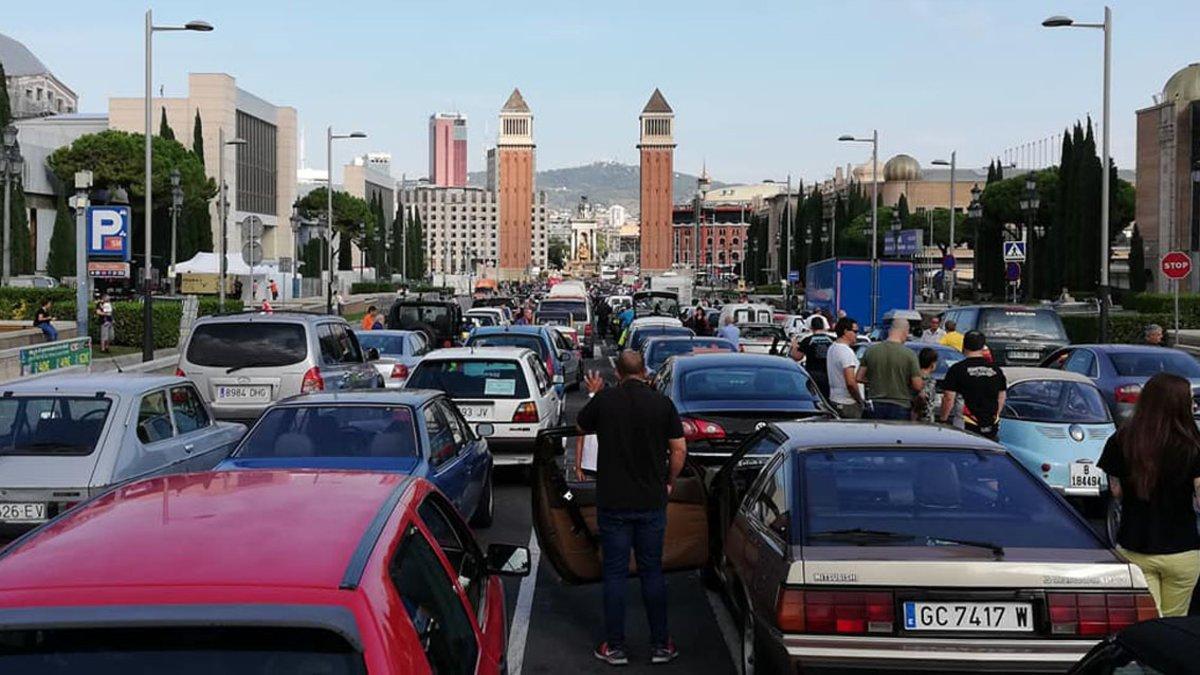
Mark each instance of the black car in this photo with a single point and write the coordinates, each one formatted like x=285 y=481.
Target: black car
x=1170 y=645
x=1016 y=335
x=440 y=320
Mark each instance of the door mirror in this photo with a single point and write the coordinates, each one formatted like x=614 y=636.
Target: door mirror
x=485 y=429
x=564 y=355
x=558 y=379
x=508 y=560
x=372 y=354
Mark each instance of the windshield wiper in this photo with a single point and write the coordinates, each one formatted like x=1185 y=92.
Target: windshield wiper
x=996 y=549
x=860 y=536
x=234 y=369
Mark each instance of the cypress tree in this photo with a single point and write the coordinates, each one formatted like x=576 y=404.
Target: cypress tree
x=5 y=109
x=1089 y=212
x=416 y=249
x=839 y=222
x=816 y=232
x=198 y=138
x=902 y=207
x=164 y=128
x=61 y=261
x=397 y=240
x=1060 y=216
x=22 y=258
x=1137 y=262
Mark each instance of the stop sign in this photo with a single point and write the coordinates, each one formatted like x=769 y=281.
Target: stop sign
x=1176 y=265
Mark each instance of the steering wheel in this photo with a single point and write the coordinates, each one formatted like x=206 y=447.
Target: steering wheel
x=98 y=412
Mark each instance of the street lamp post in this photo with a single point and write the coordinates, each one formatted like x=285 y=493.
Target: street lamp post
x=329 y=138
x=1106 y=26
x=223 y=213
x=13 y=163
x=874 y=141
x=953 y=175
x=1029 y=205
x=975 y=213
x=147 y=276
x=176 y=206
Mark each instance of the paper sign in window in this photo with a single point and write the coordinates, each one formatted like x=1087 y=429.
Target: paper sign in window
x=492 y=387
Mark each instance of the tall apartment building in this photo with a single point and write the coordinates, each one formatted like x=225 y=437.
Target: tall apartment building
x=448 y=149
x=657 y=149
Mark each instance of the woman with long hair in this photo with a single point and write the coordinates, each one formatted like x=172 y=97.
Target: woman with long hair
x=1153 y=467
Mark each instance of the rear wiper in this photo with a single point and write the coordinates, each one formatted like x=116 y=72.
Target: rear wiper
x=996 y=549
x=234 y=369
x=860 y=535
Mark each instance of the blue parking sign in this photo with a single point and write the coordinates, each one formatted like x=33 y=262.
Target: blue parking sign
x=108 y=232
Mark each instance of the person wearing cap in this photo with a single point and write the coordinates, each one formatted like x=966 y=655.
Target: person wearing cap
x=980 y=384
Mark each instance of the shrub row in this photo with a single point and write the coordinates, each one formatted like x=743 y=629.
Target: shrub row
x=372 y=287
x=1124 y=327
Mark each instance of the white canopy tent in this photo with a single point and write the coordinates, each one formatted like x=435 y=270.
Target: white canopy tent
x=209 y=263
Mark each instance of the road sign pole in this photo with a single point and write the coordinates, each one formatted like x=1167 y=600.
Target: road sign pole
x=1175 y=283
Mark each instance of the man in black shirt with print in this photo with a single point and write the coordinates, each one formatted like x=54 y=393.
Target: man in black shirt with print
x=641 y=450
x=980 y=384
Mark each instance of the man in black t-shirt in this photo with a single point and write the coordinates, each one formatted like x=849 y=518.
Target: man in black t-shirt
x=981 y=385
x=640 y=452
x=812 y=351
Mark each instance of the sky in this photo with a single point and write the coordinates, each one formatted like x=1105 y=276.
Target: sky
x=760 y=90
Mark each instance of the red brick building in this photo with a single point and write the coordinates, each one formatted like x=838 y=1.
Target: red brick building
x=514 y=180
x=722 y=237
x=657 y=146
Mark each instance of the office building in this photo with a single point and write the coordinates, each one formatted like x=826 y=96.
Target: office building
x=448 y=150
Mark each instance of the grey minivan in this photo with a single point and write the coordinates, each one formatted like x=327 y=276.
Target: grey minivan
x=244 y=362
x=65 y=438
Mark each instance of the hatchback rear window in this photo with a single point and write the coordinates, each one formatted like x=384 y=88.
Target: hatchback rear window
x=1056 y=401
x=182 y=650
x=1018 y=323
x=534 y=342
x=51 y=425
x=723 y=383
x=1148 y=364
x=390 y=345
x=332 y=431
x=247 y=345
x=915 y=497
x=578 y=308
x=658 y=351
x=471 y=379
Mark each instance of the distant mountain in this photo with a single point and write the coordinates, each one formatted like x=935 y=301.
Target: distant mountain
x=604 y=184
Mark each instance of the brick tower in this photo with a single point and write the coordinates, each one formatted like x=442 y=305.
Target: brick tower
x=514 y=184
x=657 y=146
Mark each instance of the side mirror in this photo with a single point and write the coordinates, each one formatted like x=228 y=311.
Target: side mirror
x=508 y=560
x=558 y=379
x=372 y=354
x=485 y=429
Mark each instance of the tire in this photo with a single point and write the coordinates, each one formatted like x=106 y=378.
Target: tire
x=485 y=511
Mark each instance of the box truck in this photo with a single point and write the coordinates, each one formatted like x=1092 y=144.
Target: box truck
x=843 y=284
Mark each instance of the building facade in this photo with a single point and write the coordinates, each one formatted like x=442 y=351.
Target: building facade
x=33 y=91
x=368 y=178
x=721 y=244
x=261 y=174
x=515 y=191
x=448 y=149
x=656 y=148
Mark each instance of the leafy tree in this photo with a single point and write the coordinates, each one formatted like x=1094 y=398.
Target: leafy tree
x=1137 y=262
x=164 y=128
x=353 y=220
x=61 y=261
x=556 y=252
x=198 y=138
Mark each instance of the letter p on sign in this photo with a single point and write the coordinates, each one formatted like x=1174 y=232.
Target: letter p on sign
x=108 y=231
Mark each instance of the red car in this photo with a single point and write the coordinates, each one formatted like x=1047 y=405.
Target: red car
x=257 y=572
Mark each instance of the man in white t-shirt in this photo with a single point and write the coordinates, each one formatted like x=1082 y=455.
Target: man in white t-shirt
x=841 y=365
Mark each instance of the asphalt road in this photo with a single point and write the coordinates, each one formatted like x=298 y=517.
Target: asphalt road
x=560 y=624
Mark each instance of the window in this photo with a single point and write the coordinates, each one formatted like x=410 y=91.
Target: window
x=330 y=347
x=457 y=546
x=1057 y=401
x=458 y=429
x=1152 y=362
x=345 y=431
x=441 y=439
x=256 y=165
x=242 y=345
x=772 y=505
x=742 y=383
x=540 y=374
x=51 y=425
x=154 y=421
x=187 y=410
x=1081 y=361
x=472 y=378
x=434 y=607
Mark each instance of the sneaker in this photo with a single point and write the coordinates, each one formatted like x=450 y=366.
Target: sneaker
x=664 y=654
x=613 y=656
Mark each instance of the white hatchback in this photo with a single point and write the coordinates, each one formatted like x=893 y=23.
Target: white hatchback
x=507 y=387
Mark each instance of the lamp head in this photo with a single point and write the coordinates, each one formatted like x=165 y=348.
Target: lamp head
x=199 y=26
x=1058 y=21
x=845 y=137
x=175 y=177
x=940 y=162
x=10 y=136
x=357 y=134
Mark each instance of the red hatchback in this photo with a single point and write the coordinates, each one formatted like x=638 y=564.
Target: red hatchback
x=257 y=572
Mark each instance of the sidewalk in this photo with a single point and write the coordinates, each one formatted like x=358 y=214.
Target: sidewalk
x=164 y=362
x=1189 y=340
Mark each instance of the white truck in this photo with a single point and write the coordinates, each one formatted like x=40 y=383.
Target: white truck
x=674 y=282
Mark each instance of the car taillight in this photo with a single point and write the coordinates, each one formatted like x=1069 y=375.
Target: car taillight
x=550 y=366
x=836 y=612
x=312 y=381
x=526 y=413
x=701 y=430
x=399 y=372
x=447 y=344
x=1097 y=614
x=179 y=372
x=1128 y=393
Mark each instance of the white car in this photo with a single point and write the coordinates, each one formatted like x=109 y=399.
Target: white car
x=746 y=312
x=507 y=387
x=488 y=316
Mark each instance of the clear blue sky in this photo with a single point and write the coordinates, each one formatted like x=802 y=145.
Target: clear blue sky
x=759 y=89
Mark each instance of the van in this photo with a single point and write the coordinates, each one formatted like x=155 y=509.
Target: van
x=747 y=312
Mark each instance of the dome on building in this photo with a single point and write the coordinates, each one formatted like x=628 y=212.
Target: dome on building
x=18 y=60
x=902 y=168
x=1184 y=86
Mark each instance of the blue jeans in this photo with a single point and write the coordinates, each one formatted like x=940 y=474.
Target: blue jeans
x=887 y=411
x=641 y=531
x=49 y=331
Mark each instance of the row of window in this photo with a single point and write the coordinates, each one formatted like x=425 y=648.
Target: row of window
x=256 y=165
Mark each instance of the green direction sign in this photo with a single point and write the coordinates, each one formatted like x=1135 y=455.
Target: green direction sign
x=62 y=354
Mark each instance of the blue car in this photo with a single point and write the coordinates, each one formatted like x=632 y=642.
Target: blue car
x=411 y=431
x=1056 y=424
x=1120 y=371
x=541 y=340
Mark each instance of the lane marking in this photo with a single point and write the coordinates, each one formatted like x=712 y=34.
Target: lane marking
x=612 y=361
x=519 y=631
x=733 y=640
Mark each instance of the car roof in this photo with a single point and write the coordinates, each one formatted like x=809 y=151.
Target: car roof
x=997 y=305
x=411 y=397
x=499 y=330
x=280 y=316
x=1129 y=349
x=1169 y=645
x=824 y=434
x=88 y=384
x=261 y=528
x=712 y=359
x=385 y=332
x=1024 y=373
x=478 y=353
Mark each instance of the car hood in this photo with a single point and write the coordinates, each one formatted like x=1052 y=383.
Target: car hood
x=406 y=465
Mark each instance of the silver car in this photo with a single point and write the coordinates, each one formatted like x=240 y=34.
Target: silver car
x=399 y=352
x=65 y=438
x=244 y=362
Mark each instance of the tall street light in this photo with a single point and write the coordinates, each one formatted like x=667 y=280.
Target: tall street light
x=329 y=138
x=1029 y=205
x=12 y=162
x=176 y=206
x=147 y=311
x=874 y=141
x=223 y=213
x=975 y=213
x=1067 y=22
x=953 y=174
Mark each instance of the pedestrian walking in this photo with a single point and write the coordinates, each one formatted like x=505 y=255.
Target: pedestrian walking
x=952 y=338
x=641 y=450
x=729 y=330
x=370 y=318
x=43 y=320
x=892 y=375
x=104 y=316
x=603 y=311
x=934 y=334
x=339 y=303
x=841 y=366
x=980 y=384
x=1153 y=468
x=274 y=289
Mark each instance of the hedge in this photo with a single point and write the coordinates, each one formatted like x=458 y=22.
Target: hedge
x=1164 y=303
x=372 y=287
x=1124 y=327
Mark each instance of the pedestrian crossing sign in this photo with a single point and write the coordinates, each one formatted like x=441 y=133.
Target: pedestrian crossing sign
x=1014 y=251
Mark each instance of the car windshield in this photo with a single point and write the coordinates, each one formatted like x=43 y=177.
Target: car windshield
x=1055 y=401
x=388 y=345
x=939 y=494
x=760 y=332
x=254 y=344
x=51 y=425
x=1149 y=363
x=433 y=315
x=753 y=383
x=946 y=357
x=663 y=305
x=640 y=336
x=470 y=378
x=534 y=342
x=658 y=351
x=1018 y=323
x=478 y=320
x=179 y=650
x=332 y=431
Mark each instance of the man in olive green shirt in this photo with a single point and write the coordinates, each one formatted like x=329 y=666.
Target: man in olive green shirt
x=892 y=375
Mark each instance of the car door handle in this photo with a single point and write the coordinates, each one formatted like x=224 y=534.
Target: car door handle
x=189 y=447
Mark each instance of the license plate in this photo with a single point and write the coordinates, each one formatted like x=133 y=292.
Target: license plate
x=1025 y=356
x=1085 y=475
x=476 y=412
x=250 y=394
x=22 y=513
x=1011 y=617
